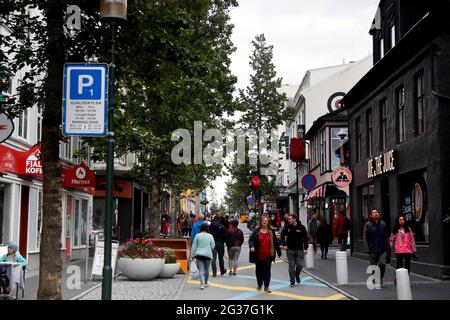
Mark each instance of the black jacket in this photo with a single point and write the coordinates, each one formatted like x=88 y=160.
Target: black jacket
x=253 y=242
x=219 y=233
x=376 y=237
x=296 y=238
x=324 y=234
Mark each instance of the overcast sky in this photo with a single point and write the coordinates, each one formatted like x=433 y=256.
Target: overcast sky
x=306 y=34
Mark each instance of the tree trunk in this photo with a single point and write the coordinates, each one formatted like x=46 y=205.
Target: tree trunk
x=50 y=264
x=155 y=209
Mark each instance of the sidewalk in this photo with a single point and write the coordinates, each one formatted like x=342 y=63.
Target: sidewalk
x=423 y=288
x=32 y=282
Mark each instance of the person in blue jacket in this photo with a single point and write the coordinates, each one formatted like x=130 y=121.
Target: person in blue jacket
x=13 y=255
x=196 y=226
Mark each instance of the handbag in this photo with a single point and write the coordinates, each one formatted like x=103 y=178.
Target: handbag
x=252 y=257
x=193 y=270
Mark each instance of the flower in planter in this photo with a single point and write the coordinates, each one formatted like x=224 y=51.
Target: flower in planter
x=141 y=248
x=169 y=255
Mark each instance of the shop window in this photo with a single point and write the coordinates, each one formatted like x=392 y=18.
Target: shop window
x=367 y=202
x=80 y=222
x=383 y=125
x=4 y=213
x=339 y=138
x=418 y=102
x=401 y=115
x=414 y=204
x=39 y=220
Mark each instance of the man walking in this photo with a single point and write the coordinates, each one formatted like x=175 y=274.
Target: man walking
x=376 y=240
x=294 y=238
x=220 y=236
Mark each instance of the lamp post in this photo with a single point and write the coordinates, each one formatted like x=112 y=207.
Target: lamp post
x=112 y=12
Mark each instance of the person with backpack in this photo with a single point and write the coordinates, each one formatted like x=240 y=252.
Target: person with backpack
x=403 y=243
x=220 y=237
x=342 y=227
x=324 y=237
x=235 y=239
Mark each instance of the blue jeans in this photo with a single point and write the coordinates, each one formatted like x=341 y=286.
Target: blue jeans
x=203 y=269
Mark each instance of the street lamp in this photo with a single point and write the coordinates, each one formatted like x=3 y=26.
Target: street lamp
x=112 y=12
x=342 y=134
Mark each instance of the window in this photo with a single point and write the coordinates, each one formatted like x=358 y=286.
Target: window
x=401 y=121
x=339 y=138
x=418 y=101
x=68 y=149
x=393 y=36
x=358 y=139
x=39 y=220
x=381 y=48
x=323 y=148
x=369 y=127
x=367 y=203
x=39 y=124
x=80 y=222
x=22 y=128
x=383 y=125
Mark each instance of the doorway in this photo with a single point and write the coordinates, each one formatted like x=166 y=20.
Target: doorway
x=24 y=204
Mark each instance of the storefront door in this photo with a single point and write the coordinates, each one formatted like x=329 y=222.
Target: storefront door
x=3 y=212
x=24 y=204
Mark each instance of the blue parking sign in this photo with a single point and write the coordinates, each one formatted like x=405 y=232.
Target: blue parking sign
x=85 y=99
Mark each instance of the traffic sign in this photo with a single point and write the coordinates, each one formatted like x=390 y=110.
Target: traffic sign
x=309 y=181
x=6 y=127
x=85 y=99
x=342 y=177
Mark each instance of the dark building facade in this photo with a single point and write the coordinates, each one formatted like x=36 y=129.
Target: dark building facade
x=399 y=127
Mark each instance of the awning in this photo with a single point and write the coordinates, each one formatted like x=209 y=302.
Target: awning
x=316 y=193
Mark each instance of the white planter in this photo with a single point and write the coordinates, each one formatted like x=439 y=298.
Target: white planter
x=169 y=270
x=140 y=269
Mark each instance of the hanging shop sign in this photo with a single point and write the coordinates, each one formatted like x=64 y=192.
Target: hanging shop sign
x=342 y=177
x=32 y=164
x=381 y=164
x=6 y=127
x=79 y=176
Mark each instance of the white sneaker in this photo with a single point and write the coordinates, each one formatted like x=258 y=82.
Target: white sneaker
x=377 y=286
x=206 y=285
x=202 y=287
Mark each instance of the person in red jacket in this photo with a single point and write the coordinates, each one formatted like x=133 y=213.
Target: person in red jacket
x=165 y=227
x=342 y=228
x=403 y=243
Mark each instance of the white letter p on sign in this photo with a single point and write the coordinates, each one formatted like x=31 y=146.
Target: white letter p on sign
x=82 y=84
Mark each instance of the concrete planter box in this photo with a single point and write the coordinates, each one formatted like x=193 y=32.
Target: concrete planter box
x=169 y=270
x=140 y=269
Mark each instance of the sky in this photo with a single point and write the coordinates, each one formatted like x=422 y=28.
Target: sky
x=306 y=34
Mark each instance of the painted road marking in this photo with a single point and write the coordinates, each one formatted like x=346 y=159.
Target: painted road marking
x=275 y=293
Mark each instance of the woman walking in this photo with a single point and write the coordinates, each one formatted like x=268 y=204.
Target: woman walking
x=324 y=237
x=402 y=241
x=263 y=246
x=181 y=225
x=235 y=239
x=202 y=251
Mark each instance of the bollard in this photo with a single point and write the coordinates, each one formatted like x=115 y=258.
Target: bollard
x=403 y=284
x=310 y=257
x=341 y=267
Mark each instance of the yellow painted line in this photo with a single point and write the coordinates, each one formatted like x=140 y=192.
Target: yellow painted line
x=276 y=293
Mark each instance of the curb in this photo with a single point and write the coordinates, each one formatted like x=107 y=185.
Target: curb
x=180 y=289
x=77 y=297
x=331 y=285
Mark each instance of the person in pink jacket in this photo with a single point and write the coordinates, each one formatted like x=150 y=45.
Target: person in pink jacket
x=402 y=241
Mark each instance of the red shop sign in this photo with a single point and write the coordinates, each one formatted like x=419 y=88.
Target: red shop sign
x=24 y=163
x=79 y=176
